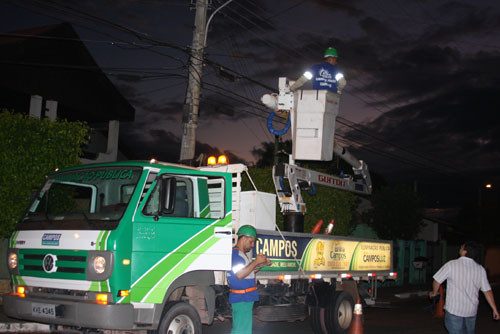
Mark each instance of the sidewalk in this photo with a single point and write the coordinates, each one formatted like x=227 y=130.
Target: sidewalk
x=397 y=293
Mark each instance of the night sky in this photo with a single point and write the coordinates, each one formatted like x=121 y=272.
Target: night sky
x=422 y=101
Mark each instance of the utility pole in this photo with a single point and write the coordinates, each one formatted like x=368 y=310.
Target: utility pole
x=192 y=101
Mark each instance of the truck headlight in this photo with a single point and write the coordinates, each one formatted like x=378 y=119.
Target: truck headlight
x=12 y=261
x=99 y=264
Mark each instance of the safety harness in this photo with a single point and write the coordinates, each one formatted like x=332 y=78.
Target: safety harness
x=244 y=290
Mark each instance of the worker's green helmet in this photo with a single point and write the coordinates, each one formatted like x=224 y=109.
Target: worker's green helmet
x=247 y=230
x=331 y=52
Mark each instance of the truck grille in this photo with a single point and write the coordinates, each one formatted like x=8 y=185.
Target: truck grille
x=53 y=263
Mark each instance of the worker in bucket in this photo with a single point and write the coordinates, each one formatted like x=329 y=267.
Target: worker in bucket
x=325 y=75
x=242 y=280
x=465 y=277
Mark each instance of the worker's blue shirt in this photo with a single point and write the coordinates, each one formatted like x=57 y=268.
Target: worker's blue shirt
x=324 y=76
x=240 y=261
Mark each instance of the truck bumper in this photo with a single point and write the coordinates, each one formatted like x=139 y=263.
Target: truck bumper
x=70 y=313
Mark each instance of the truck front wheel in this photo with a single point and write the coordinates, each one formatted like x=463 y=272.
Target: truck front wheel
x=180 y=318
x=338 y=315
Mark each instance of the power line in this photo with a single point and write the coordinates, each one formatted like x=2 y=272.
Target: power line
x=242 y=66
x=284 y=51
x=260 y=107
x=233 y=98
x=243 y=120
x=95 y=69
x=396 y=157
x=142 y=36
x=298 y=3
x=100 y=32
x=360 y=129
x=68 y=39
x=156 y=43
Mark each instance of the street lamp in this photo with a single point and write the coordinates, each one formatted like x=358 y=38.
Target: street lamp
x=488 y=186
x=210 y=19
x=480 y=216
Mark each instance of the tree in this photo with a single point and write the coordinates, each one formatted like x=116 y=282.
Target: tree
x=479 y=222
x=265 y=154
x=396 y=213
x=30 y=149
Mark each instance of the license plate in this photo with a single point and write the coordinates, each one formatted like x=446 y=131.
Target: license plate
x=44 y=310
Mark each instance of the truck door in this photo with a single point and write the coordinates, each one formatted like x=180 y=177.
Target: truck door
x=189 y=230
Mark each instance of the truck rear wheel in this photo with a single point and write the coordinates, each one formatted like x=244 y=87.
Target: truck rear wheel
x=338 y=315
x=180 y=318
x=318 y=320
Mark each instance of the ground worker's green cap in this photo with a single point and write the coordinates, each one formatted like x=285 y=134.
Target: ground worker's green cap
x=248 y=230
x=331 y=52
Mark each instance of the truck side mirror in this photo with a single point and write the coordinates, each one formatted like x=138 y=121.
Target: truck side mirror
x=167 y=195
x=35 y=194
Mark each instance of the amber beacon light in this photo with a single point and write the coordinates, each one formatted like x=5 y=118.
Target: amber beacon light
x=221 y=160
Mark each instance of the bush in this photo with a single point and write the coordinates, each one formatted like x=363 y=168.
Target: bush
x=30 y=149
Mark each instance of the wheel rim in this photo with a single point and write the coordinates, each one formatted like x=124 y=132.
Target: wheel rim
x=181 y=324
x=344 y=314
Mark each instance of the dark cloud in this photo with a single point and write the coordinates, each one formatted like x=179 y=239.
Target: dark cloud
x=165 y=146
x=416 y=72
x=216 y=106
x=161 y=145
x=375 y=29
x=431 y=66
x=348 y=6
x=458 y=19
x=167 y=111
x=457 y=127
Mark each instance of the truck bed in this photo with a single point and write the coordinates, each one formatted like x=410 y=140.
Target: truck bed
x=301 y=255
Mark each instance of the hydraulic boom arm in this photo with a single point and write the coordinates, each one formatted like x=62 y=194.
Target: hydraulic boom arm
x=289 y=180
x=312 y=114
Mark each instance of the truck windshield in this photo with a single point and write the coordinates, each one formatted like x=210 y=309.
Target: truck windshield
x=93 y=198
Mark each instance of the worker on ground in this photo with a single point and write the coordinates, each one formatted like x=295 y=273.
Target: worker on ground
x=465 y=277
x=325 y=75
x=242 y=281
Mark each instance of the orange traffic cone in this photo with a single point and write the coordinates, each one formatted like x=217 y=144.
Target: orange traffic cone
x=317 y=228
x=329 y=227
x=357 y=319
x=439 y=308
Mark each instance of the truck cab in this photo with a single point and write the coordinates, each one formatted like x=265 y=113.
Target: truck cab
x=112 y=246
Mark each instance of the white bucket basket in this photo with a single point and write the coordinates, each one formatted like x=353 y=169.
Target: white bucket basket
x=313 y=124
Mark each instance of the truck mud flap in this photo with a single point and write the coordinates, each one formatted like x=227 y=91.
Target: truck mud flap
x=283 y=312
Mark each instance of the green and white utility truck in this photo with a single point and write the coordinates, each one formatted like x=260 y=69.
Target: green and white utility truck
x=144 y=246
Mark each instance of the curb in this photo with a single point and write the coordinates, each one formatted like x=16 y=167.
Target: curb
x=411 y=294
x=17 y=327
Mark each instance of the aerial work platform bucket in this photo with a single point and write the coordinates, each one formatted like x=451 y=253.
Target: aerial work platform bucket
x=313 y=124
x=312 y=114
